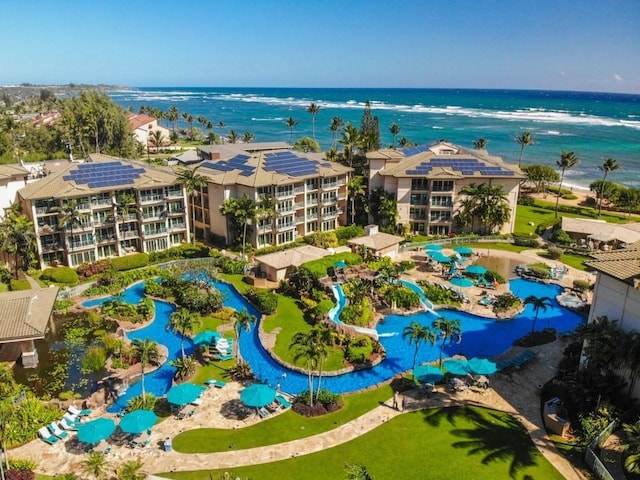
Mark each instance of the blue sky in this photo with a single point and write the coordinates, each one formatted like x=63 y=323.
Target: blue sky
x=530 y=44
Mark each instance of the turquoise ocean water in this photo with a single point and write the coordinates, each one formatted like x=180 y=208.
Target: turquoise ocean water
x=592 y=125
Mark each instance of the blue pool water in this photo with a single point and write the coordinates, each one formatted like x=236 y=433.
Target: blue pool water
x=481 y=337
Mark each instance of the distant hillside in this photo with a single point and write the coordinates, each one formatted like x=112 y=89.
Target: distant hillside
x=26 y=90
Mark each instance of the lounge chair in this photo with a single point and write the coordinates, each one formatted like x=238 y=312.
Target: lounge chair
x=57 y=431
x=225 y=357
x=69 y=422
x=284 y=403
x=76 y=412
x=45 y=435
x=215 y=383
x=263 y=412
x=197 y=402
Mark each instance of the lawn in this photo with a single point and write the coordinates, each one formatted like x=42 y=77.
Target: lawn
x=573 y=260
x=281 y=428
x=455 y=443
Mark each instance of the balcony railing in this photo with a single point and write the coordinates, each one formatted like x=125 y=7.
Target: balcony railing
x=442 y=204
x=106 y=202
x=288 y=193
x=299 y=190
x=129 y=234
x=311 y=216
x=158 y=231
x=106 y=239
x=151 y=198
x=330 y=200
x=285 y=226
x=83 y=244
x=177 y=226
x=299 y=220
x=47 y=229
x=330 y=185
x=51 y=247
x=311 y=187
x=44 y=210
x=265 y=228
x=285 y=211
x=174 y=193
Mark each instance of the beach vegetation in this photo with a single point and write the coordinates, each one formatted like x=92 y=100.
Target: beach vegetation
x=525 y=139
x=394 y=129
x=538 y=304
x=567 y=160
x=313 y=110
x=306 y=145
x=369 y=130
x=96 y=465
x=291 y=123
x=418 y=334
x=485 y=204
x=447 y=330
x=541 y=176
x=240 y=211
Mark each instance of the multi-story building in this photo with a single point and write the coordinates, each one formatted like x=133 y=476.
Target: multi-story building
x=308 y=194
x=426 y=181
x=113 y=207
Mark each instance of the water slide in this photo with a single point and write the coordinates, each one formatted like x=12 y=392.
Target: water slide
x=426 y=303
x=341 y=302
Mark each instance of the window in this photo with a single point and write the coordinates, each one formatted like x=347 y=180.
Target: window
x=156 y=244
x=329 y=197
x=107 y=251
x=442 y=185
x=81 y=240
x=285 y=237
x=441 y=201
x=265 y=239
x=440 y=216
x=176 y=238
x=418 y=213
x=417 y=227
x=312 y=227
x=419 y=184
x=439 y=230
x=264 y=191
x=312 y=184
x=312 y=198
x=284 y=191
x=82 y=257
x=419 y=199
x=328 y=225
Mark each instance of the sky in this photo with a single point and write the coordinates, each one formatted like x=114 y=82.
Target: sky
x=585 y=45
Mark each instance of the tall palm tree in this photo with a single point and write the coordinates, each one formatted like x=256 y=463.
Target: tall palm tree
x=147 y=352
x=69 y=216
x=355 y=188
x=335 y=126
x=192 y=182
x=538 y=303
x=480 y=144
x=608 y=165
x=305 y=348
x=242 y=210
x=324 y=337
x=394 y=128
x=247 y=137
x=96 y=465
x=567 y=160
x=242 y=321
x=525 y=139
x=221 y=125
x=233 y=136
x=351 y=138
x=291 y=123
x=157 y=139
x=418 y=334
x=18 y=238
x=183 y=322
x=172 y=116
x=447 y=330
x=126 y=204
x=313 y=109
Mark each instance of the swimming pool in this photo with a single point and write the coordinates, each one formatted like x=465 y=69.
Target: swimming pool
x=482 y=337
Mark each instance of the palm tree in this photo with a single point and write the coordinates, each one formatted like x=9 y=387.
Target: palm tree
x=313 y=109
x=447 y=330
x=480 y=144
x=355 y=188
x=69 y=216
x=351 y=138
x=183 y=322
x=567 y=160
x=538 y=303
x=305 y=346
x=608 y=165
x=17 y=237
x=291 y=123
x=240 y=209
x=157 y=139
x=147 y=352
x=192 y=182
x=524 y=140
x=96 y=465
x=221 y=125
x=335 y=126
x=247 y=137
x=324 y=336
x=126 y=204
x=172 y=116
x=132 y=470
x=418 y=334
x=242 y=320
x=395 y=130
x=233 y=136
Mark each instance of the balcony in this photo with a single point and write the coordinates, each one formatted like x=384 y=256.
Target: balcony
x=286 y=226
x=417 y=217
x=299 y=220
x=330 y=200
x=105 y=239
x=152 y=198
x=299 y=190
x=311 y=187
x=177 y=226
x=288 y=193
x=80 y=245
x=442 y=205
x=79 y=227
x=265 y=228
x=51 y=247
x=174 y=193
x=153 y=216
x=331 y=185
x=44 y=210
x=153 y=233
x=285 y=211
x=176 y=211
x=47 y=229
x=84 y=206
x=129 y=234
x=103 y=203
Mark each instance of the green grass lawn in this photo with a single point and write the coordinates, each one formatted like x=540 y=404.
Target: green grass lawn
x=573 y=260
x=455 y=443
x=281 y=428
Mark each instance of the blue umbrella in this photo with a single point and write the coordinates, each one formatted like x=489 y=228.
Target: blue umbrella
x=206 y=338
x=257 y=395
x=482 y=366
x=428 y=374
x=440 y=257
x=463 y=250
x=341 y=264
x=476 y=270
x=461 y=282
x=433 y=247
x=138 y=421
x=184 y=393
x=96 y=430
x=456 y=366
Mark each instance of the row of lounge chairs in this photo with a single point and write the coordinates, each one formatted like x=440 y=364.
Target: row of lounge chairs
x=56 y=431
x=518 y=361
x=280 y=403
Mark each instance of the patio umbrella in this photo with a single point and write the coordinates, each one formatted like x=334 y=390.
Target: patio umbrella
x=138 y=421
x=341 y=264
x=96 y=430
x=433 y=247
x=257 y=395
x=482 y=366
x=440 y=257
x=205 y=338
x=428 y=374
x=461 y=282
x=184 y=393
x=476 y=270
x=456 y=366
x=463 y=250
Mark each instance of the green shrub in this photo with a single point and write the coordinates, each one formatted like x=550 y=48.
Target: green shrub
x=22 y=464
x=322 y=239
x=87 y=270
x=129 y=262
x=359 y=349
x=64 y=275
x=581 y=285
x=561 y=237
x=540 y=229
x=186 y=250
x=347 y=233
x=137 y=403
x=19 y=284
x=539 y=272
x=527 y=201
x=555 y=253
x=526 y=242
x=62 y=306
x=94 y=359
x=265 y=301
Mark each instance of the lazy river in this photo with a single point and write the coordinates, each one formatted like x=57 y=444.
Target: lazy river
x=482 y=337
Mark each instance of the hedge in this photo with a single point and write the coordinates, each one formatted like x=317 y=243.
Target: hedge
x=19 y=284
x=265 y=301
x=130 y=262
x=66 y=275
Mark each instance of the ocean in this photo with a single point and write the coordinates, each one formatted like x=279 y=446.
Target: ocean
x=594 y=126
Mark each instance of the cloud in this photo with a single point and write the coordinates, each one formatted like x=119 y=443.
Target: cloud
x=617 y=78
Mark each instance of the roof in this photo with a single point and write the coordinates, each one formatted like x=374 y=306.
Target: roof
x=60 y=185
x=261 y=169
x=7 y=172
x=444 y=160
x=581 y=225
x=137 y=120
x=25 y=314
x=293 y=257
x=231 y=149
x=377 y=241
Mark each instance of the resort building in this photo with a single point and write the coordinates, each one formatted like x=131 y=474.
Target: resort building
x=426 y=181
x=142 y=125
x=13 y=177
x=616 y=293
x=112 y=207
x=308 y=193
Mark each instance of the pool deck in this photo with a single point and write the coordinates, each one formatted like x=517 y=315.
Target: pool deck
x=514 y=393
